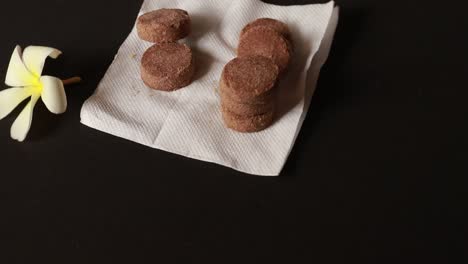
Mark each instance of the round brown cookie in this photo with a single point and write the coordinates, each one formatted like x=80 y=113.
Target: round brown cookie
x=245 y=109
x=164 y=25
x=167 y=66
x=248 y=124
x=277 y=25
x=266 y=42
x=249 y=80
x=265 y=98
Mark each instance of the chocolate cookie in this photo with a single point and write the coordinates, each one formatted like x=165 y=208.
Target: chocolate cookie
x=247 y=124
x=167 y=66
x=267 y=42
x=277 y=25
x=164 y=25
x=246 y=109
x=249 y=80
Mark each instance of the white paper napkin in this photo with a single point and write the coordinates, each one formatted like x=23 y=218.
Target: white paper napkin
x=188 y=122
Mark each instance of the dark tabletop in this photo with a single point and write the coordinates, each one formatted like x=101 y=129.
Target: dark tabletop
x=378 y=174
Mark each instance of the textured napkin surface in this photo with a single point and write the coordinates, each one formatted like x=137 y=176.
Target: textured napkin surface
x=188 y=122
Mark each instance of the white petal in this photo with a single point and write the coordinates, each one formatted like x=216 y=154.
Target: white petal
x=11 y=98
x=22 y=124
x=17 y=74
x=53 y=94
x=34 y=58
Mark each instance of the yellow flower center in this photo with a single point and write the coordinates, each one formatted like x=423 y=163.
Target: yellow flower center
x=37 y=86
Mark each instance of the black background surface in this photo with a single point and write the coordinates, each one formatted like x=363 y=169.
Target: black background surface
x=378 y=174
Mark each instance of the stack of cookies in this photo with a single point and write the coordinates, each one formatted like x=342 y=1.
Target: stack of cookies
x=167 y=65
x=248 y=82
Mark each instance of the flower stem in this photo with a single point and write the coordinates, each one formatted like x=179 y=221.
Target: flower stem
x=72 y=80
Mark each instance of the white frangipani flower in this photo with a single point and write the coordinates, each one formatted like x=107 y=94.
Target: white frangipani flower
x=24 y=75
